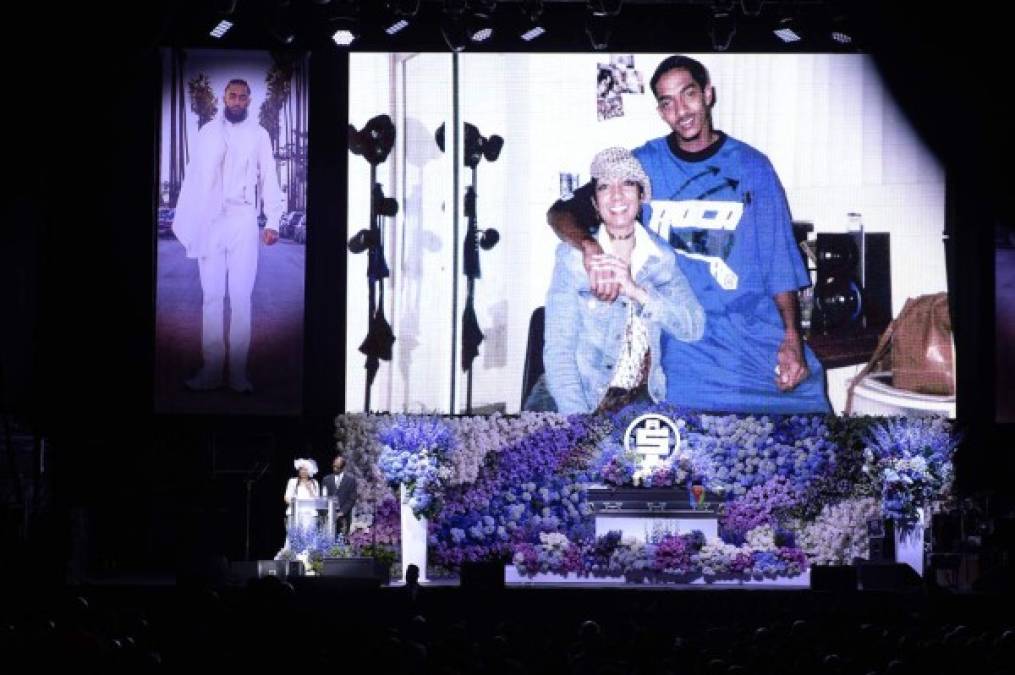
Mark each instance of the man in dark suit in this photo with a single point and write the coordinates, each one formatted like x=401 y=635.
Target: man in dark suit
x=342 y=485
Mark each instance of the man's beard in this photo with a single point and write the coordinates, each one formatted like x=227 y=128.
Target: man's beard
x=236 y=117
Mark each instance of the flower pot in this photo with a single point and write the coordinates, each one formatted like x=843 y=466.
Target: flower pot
x=909 y=543
x=414 y=538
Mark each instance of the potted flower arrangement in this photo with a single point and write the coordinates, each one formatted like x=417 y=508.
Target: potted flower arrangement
x=908 y=465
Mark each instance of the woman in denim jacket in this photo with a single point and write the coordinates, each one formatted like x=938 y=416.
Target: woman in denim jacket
x=600 y=355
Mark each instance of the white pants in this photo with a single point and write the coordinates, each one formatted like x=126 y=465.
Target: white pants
x=233 y=265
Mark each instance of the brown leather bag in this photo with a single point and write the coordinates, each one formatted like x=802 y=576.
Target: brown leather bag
x=922 y=359
x=920 y=339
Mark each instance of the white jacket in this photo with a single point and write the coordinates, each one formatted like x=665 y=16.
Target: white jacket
x=228 y=163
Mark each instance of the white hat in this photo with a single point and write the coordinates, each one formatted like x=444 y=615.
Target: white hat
x=308 y=464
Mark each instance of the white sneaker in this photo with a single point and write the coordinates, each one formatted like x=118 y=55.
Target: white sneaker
x=240 y=384
x=204 y=381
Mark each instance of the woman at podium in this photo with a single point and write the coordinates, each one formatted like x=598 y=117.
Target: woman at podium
x=302 y=486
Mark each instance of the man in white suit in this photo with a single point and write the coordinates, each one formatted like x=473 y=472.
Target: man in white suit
x=231 y=175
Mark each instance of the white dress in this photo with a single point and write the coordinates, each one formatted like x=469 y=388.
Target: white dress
x=306 y=516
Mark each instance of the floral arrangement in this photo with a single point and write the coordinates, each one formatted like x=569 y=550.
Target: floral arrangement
x=382 y=527
x=615 y=466
x=414 y=450
x=728 y=453
x=531 y=486
x=798 y=489
x=668 y=557
x=908 y=463
x=554 y=554
x=744 y=451
x=765 y=504
x=839 y=533
x=308 y=544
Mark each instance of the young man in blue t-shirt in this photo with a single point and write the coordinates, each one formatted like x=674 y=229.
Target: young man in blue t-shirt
x=720 y=204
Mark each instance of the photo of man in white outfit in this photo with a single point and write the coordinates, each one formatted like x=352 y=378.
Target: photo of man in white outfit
x=231 y=176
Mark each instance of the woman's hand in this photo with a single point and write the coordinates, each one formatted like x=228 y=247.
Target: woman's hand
x=620 y=272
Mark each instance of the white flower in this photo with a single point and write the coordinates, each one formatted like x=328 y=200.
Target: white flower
x=553 y=539
x=761 y=538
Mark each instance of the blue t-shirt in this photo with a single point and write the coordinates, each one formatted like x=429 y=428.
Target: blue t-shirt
x=725 y=212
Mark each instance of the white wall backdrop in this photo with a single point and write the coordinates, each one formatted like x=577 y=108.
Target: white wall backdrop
x=835 y=136
x=416 y=91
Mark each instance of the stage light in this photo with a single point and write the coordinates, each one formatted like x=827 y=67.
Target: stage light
x=599 y=24
x=605 y=7
x=284 y=34
x=399 y=12
x=489 y=238
x=598 y=29
x=722 y=26
x=345 y=30
x=481 y=34
x=453 y=25
x=362 y=241
x=453 y=30
x=788 y=30
x=751 y=7
x=279 y=21
x=533 y=33
x=841 y=32
x=479 y=26
x=479 y=29
x=226 y=8
x=343 y=37
x=221 y=28
x=534 y=26
x=478 y=146
x=374 y=141
x=396 y=27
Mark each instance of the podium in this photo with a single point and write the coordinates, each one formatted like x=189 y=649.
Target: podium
x=318 y=504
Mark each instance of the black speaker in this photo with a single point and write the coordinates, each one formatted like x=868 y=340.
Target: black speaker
x=242 y=570
x=836 y=578
x=484 y=576
x=279 y=568
x=853 y=288
x=361 y=569
x=888 y=577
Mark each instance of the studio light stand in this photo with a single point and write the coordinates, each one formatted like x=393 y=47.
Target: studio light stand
x=374 y=143
x=476 y=148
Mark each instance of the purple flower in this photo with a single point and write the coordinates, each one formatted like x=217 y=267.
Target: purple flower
x=763 y=504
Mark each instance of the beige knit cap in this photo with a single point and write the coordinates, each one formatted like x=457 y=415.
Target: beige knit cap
x=620 y=164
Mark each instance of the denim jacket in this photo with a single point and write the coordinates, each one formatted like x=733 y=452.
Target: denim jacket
x=584 y=336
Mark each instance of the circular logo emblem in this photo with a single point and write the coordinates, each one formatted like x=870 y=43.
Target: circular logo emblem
x=652 y=438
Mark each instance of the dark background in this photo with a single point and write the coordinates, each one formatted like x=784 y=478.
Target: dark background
x=93 y=476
